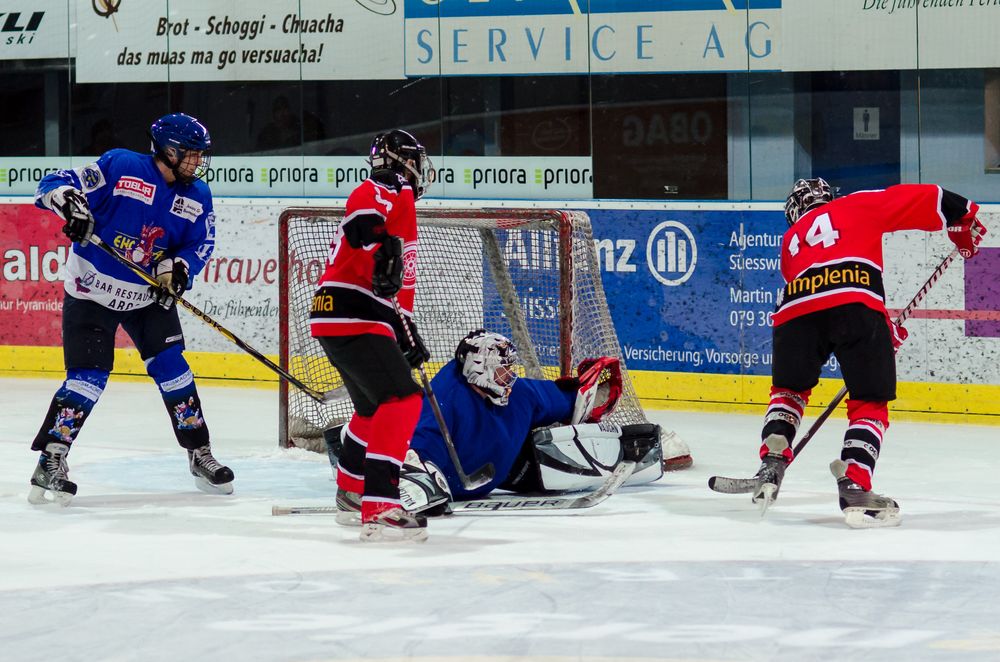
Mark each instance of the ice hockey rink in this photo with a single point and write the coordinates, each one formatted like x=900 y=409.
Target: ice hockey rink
x=142 y=566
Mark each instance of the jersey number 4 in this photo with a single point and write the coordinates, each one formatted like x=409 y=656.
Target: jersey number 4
x=820 y=232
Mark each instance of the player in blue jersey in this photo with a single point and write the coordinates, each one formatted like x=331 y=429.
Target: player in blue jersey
x=491 y=414
x=155 y=210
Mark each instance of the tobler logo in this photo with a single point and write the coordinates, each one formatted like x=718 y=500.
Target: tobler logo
x=671 y=253
x=133 y=187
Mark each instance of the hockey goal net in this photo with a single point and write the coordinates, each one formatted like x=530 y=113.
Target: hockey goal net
x=529 y=274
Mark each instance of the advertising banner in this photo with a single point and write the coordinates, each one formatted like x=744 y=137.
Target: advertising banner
x=889 y=34
x=238 y=286
x=33 y=30
x=233 y=40
x=506 y=37
x=31 y=284
x=692 y=291
x=501 y=177
x=689 y=290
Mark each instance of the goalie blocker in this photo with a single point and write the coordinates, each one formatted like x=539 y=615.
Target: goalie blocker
x=554 y=460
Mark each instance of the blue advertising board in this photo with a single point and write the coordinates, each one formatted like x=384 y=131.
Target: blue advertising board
x=693 y=291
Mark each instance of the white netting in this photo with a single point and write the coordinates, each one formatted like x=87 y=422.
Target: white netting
x=531 y=275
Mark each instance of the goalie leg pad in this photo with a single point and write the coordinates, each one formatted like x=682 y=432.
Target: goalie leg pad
x=578 y=457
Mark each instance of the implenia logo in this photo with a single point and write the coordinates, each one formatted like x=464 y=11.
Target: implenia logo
x=671 y=253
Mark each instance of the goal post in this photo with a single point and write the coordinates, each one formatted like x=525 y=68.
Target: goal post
x=529 y=274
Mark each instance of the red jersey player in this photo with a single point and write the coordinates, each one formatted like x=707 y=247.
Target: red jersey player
x=372 y=268
x=833 y=302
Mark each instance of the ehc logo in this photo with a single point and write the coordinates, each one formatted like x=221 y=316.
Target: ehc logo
x=671 y=253
x=25 y=27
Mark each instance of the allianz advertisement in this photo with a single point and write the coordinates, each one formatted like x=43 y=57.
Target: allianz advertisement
x=456 y=177
x=693 y=291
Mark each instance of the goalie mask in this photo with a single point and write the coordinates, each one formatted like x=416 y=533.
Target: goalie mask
x=488 y=362
x=400 y=152
x=806 y=194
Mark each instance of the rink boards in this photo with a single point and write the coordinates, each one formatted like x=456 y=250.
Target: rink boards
x=690 y=287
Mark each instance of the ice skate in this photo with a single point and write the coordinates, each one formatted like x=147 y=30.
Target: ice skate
x=676 y=454
x=394 y=525
x=863 y=509
x=209 y=476
x=771 y=472
x=348 y=508
x=51 y=475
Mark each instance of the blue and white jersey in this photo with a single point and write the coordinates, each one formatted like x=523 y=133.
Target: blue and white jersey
x=482 y=431
x=137 y=212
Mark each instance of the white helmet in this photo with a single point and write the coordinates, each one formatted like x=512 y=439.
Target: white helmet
x=806 y=194
x=488 y=361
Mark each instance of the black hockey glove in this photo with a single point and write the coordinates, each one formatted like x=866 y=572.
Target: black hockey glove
x=387 y=278
x=71 y=206
x=172 y=276
x=416 y=353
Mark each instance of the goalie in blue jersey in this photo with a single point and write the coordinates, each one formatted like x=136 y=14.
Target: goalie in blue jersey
x=495 y=416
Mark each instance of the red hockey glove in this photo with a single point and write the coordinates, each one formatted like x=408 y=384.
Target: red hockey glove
x=966 y=234
x=898 y=334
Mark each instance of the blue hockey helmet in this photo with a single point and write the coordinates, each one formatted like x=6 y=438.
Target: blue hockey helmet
x=176 y=134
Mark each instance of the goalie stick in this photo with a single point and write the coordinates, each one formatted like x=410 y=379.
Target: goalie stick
x=746 y=485
x=506 y=503
x=336 y=395
x=480 y=476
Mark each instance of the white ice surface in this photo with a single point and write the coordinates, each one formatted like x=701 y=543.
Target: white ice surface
x=142 y=566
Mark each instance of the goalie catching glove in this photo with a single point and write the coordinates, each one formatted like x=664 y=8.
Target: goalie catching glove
x=599 y=386
x=72 y=207
x=172 y=276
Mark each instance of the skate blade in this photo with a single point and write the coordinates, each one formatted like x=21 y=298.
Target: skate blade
x=765 y=497
x=39 y=496
x=348 y=518
x=379 y=533
x=859 y=518
x=208 y=488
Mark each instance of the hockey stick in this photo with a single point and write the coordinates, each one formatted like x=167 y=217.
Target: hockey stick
x=481 y=476
x=747 y=485
x=337 y=394
x=505 y=503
